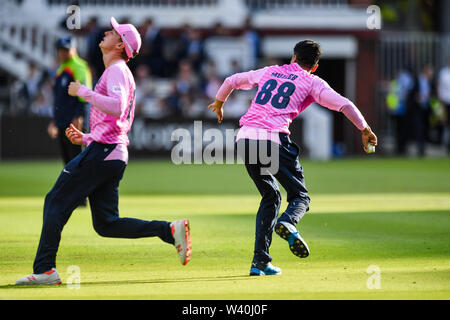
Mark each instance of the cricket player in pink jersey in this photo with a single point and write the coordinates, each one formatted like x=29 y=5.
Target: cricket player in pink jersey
x=97 y=171
x=283 y=92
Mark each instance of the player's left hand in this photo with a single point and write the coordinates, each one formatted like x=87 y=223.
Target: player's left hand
x=74 y=135
x=217 y=107
x=74 y=87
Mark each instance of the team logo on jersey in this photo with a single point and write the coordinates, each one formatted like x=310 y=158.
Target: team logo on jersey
x=116 y=89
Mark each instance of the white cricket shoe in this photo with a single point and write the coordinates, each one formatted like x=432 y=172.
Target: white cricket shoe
x=182 y=235
x=46 y=278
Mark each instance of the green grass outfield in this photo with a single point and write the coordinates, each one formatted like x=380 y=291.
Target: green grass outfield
x=390 y=213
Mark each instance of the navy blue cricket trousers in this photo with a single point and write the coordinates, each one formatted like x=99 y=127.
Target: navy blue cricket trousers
x=289 y=175
x=88 y=175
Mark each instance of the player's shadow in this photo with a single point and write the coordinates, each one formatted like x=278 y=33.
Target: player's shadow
x=128 y=282
x=172 y=280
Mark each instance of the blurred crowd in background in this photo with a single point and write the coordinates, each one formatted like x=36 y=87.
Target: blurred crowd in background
x=419 y=104
x=176 y=78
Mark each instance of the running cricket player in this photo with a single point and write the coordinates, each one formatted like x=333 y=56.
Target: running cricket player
x=97 y=171
x=283 y=92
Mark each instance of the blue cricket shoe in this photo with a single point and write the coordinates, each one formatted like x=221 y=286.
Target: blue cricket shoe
x=264 y=270
x=289 y=233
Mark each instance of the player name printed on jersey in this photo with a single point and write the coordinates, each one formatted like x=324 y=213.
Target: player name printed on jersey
x=292 y=77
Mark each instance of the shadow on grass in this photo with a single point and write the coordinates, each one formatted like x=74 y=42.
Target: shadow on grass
x=128 y=282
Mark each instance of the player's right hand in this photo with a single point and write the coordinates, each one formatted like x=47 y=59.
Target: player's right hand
x=74 y=135
x=73 y=88
x=217 y=107
x=368 y=137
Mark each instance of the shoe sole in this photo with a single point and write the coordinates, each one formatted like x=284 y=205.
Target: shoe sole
x=299 y=247
x=187 y=229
